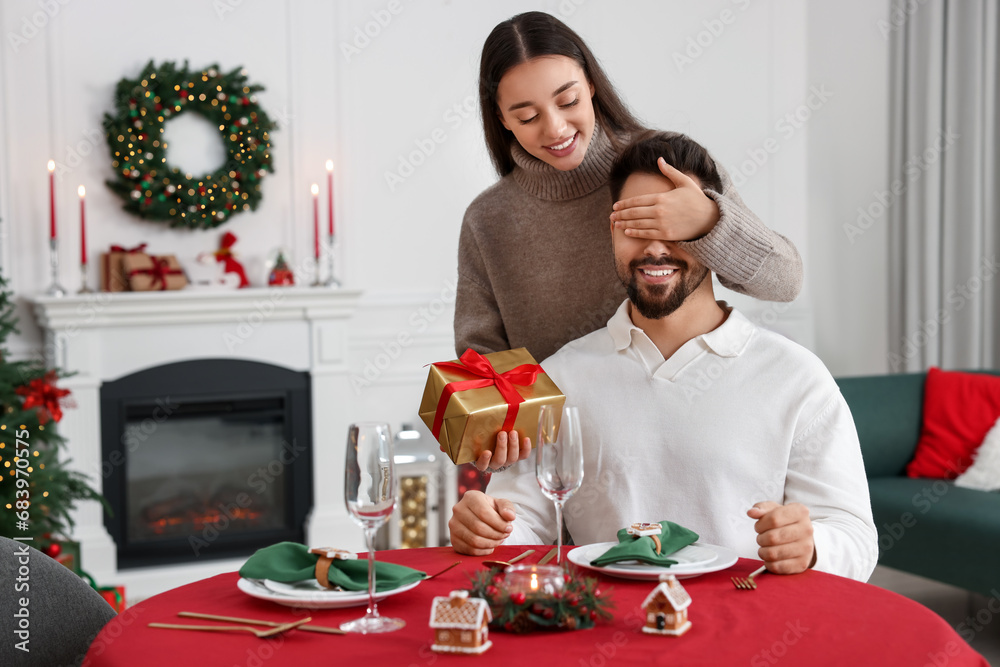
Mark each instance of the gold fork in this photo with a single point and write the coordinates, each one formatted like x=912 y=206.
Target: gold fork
x=235 y=628
x=749 y=584
x=254 y=621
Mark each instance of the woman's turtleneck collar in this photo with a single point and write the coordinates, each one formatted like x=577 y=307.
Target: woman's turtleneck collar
x=544 y=181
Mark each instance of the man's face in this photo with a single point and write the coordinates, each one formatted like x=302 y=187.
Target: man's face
x=658 y=275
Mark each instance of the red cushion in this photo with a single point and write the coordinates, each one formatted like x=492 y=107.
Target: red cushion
x=959 y=410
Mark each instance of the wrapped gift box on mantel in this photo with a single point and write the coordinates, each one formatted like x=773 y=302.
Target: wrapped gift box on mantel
x=148 y=272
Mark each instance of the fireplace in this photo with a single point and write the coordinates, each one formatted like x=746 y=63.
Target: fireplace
x=205 y=459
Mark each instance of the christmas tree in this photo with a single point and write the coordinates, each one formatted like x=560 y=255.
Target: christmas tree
x=37 y=492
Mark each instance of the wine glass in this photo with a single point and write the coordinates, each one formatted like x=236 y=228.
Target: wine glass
x=370 y=494
x=559 y=459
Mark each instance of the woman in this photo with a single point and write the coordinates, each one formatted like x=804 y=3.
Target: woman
x=535 y=263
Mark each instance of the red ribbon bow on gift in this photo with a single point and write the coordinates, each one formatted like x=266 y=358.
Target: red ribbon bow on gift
x=139 y=248
x=471 y=362
x=160 y=270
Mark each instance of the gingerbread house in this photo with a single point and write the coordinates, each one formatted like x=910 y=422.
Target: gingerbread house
x=460 y=623
x=666 y=608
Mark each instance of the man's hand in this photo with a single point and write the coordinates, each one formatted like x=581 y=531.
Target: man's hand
x=480 y=523
x=682 y=214
x=785 y=536
x=508 y=451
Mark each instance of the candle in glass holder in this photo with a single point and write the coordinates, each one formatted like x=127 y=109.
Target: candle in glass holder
x=534 y=580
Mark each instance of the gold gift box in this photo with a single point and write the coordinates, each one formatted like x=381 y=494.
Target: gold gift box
x=472 y=418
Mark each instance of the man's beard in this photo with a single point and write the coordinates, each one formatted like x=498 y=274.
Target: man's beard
x=659 y=301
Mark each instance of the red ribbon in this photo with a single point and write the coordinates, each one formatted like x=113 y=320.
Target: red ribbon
x=475 y=364
x=159 y=270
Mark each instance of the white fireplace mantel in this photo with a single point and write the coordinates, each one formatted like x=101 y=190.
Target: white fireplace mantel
x=103 y=336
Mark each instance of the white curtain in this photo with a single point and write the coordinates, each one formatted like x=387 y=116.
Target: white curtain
x=944 y=181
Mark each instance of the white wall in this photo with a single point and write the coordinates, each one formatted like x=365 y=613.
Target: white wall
x=848 y=164
x=370 y=109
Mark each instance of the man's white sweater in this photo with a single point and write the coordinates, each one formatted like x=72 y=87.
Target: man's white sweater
x=736 y=416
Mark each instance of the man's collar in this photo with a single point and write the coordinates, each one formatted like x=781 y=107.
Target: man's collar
x=729 y=339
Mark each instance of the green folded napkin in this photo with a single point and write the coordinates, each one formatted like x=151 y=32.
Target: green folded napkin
x=632 y=547
x=289 y=562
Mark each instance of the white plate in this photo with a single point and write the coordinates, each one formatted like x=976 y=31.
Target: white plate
x=302 y=595
x=692 y=560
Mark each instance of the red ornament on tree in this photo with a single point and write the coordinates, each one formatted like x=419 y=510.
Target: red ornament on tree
x=42 y=394
x=53 y=550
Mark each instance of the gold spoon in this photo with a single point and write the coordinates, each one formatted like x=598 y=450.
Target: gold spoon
x=504 y=563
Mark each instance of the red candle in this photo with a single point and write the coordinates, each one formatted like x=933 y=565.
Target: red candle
x=82 y=191
x=329 y=187
x=315 y=193
x=52 y=199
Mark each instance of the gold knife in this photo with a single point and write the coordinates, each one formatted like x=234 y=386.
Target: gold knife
x=549 y=556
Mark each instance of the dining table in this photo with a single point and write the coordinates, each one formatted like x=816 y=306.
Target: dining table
x=811 y=618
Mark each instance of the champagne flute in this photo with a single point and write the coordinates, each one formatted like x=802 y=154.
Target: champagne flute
x=559 y=459
x=370 y=494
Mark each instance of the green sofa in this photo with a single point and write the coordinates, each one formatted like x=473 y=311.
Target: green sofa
x=927 y=527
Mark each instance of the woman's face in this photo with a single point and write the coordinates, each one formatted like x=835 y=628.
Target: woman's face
x=547 y=103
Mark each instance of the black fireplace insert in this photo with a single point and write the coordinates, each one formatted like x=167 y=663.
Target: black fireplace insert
x=206 y=459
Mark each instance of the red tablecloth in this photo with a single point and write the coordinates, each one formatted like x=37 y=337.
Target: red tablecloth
x=805 y=619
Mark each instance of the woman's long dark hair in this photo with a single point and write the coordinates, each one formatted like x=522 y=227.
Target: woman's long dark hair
x=528 y=36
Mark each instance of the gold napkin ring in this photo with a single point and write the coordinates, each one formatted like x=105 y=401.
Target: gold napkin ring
x=647 y=530
x=326 y=557
x=322 y=567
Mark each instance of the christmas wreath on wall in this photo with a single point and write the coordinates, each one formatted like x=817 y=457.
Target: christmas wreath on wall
x=143 y=177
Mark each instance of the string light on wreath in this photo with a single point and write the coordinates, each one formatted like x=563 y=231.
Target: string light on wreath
x=149 y=185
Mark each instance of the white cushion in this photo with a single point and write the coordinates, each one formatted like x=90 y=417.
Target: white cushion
x=984 y=473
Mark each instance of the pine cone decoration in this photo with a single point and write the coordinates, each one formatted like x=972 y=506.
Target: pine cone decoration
x=521 y=624
x=570 y=623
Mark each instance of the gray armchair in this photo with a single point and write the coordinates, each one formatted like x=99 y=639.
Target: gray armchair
x=62 y=614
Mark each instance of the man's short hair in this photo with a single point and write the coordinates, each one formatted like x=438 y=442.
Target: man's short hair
x=679 y=150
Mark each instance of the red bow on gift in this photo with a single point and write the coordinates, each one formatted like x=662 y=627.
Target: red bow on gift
x=225 y=255
x=42 y=393
x=160 y=270
x=473 y=363
x=139 y=248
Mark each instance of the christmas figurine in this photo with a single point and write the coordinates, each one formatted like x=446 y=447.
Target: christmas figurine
x=666 y=608
x=460 y=624
x=281 y=275
x=225 y=255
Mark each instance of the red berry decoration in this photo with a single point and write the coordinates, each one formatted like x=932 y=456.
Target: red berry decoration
x=518 y=598
x=53 y=550
x=492 y=591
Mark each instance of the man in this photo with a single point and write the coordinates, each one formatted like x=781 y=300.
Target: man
x=691 y=413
